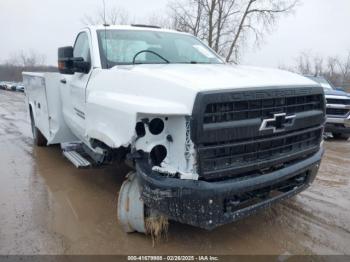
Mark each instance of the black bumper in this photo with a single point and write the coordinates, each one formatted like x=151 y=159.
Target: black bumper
x=211 y=204
x=337 y=128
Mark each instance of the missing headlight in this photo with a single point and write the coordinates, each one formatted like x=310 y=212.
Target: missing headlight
x=156 y=126
x=158 y=154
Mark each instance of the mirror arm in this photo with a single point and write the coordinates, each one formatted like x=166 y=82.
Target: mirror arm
x=80 y=66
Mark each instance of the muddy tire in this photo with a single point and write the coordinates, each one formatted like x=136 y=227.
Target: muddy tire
x=38 y=137
x=341 y=136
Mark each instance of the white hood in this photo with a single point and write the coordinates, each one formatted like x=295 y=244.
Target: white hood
x=126 y=93
x=202 y=77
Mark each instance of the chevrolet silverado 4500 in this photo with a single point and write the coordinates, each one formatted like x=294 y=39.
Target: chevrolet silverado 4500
x=338 y=109
x=210 y=142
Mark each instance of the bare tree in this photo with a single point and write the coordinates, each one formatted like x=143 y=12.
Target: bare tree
x=113 y=16
x=159 y=20
x=26 y=59
x=344 y=68
x=303 y=64
x=226 y=24
x=318 y=65
x=335 y=69
x=332 y=65
x=11 y=69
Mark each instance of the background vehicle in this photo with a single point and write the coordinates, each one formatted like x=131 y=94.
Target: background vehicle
x=13 y=87
x=210 y=142
x=9 y=86
x=338 y=109
x=20 y=87
x=2 y=85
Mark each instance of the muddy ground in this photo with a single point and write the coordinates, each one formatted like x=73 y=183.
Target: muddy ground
x=49 y=207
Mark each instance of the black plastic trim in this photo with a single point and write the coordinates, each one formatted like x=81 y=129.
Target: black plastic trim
x=332 y=128
x=200 y=203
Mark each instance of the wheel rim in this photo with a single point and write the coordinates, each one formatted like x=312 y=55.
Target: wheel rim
x=130 y=206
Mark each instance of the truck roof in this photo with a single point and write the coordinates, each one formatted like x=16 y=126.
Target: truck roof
x=136 y=27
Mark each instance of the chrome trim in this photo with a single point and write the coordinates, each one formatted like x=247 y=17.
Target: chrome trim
x=337 y=97
x=274 y=128
x=339 y=120
x=338 y=106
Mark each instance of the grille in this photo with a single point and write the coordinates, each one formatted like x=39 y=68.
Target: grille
x=225 y=128
x=337 y=111
x=260 y=108
x=338 y=101
x=255 y=155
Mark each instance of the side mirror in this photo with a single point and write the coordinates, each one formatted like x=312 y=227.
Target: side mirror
x=67 y=64
x=81 y=66
x=65 y=60
x=340 y=89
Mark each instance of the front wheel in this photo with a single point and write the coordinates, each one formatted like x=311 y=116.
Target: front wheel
x=134 y=216
x=341 y=136
x=131 y=212
x=39 y=139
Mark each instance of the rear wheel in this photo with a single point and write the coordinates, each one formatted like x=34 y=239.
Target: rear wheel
x=39 y=139
x=341 y=136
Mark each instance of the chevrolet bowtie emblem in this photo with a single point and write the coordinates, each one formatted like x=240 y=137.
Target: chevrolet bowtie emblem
x=277 y=123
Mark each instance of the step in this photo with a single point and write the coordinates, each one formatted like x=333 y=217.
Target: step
x=77 y=160
x=70 y=146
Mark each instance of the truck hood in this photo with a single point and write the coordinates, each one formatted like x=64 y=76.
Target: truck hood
x=203 y=77
x=332 y=92
x=172 y=88
x=122 y=95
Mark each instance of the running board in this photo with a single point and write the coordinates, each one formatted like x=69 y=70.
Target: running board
x=76 y=159
x=71 y=152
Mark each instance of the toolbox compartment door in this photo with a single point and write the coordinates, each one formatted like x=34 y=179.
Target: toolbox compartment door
x=44 y=95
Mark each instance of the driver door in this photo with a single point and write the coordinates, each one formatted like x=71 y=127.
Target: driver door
x=77 y=84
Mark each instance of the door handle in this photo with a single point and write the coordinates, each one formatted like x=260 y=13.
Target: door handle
x=63 y=81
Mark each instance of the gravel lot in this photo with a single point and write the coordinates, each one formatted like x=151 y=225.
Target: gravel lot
x=49 y=207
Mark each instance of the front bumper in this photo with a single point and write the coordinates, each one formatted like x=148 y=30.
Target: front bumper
x=339 y=120
x=337 y=128
x=211 y=204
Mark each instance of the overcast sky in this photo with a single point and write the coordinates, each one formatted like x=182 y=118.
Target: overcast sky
x=318 y=26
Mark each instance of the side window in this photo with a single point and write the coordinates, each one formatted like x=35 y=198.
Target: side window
x=82 y=48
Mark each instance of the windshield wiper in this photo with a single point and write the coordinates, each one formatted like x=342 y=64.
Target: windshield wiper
x=149 y=51
x=196 y=62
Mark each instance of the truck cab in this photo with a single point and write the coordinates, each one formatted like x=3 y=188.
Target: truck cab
x=210 y=142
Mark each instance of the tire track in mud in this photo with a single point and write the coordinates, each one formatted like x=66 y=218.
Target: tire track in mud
x=22 y=230
x=322 y=212
x=320 y=234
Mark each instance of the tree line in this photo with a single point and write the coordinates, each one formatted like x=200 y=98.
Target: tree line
x=334 y=68
x=227 y=26
x=11 y=70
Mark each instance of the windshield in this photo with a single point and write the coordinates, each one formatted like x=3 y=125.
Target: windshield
x=322 y=81
x=120 y=47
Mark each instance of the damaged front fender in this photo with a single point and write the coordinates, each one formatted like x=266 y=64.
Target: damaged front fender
x=111 y=118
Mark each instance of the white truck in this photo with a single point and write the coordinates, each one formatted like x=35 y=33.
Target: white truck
x=338 y=109
x=210 y=142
